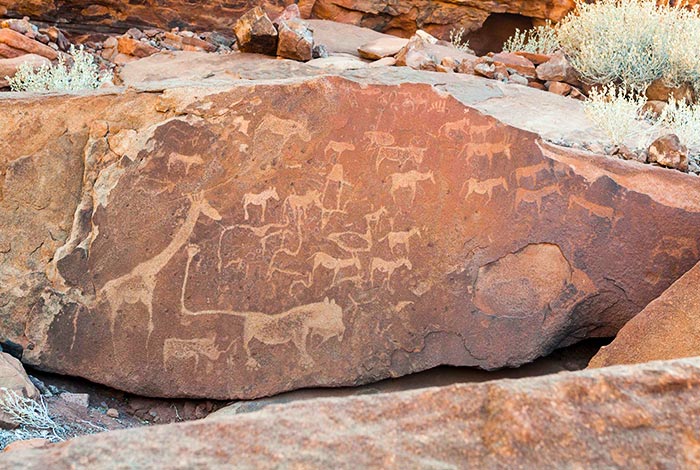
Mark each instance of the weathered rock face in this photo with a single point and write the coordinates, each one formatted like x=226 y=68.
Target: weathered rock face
x=644 y=416
x=243 y=239
x=123 y=14
x=401 y=18
x=437 y=17
x=667 y=328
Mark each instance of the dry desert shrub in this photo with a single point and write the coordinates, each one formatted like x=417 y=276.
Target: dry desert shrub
x=457 y=41
x=619 y=112
x=539 y=40
x=83 y=74
x=633 y=42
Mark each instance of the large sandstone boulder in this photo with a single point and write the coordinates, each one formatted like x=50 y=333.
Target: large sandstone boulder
x=246 y=237
x=667 y=328
x=13 y=379
x=644 y=416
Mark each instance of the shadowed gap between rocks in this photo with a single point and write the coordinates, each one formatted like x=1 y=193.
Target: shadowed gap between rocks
x=136 y=411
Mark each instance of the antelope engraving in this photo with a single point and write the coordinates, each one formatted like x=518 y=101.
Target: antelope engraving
x=376 y=216
x=484 y=187
x=388 y=268
x=259 y=199
x=300 y=204
x=592 y=208
x=184 y=349
x=408 y=180
x=401 y=238
x=334 y=264
x=528 y=196
x=530 y=172
x=379 y=139
x=187 y=160
x=338 y=148
x=400 y=155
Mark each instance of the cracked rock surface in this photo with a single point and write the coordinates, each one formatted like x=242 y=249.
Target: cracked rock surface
x=228 y=236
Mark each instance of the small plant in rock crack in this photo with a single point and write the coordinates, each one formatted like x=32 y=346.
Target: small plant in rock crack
x=32 y=418
x=82 y=74
x=457 y=41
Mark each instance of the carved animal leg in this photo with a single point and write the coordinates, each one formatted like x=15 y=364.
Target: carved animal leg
x=251 y=364
x=299 y=340
x=245 y=212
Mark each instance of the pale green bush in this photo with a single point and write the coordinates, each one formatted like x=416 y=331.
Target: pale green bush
x=31 y=416
x=539 y=40
x=633 y=42
x=619 y=112
x=683 y=119
x=456 y=40
x=83 y=74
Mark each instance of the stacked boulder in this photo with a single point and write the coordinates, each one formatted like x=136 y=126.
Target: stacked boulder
x=288 y=36
x=136 y=44
x=425 y=52
x=22 y=42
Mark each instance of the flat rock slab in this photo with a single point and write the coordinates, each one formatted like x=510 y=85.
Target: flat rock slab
x=644 y=416
x=246 y=238
x=667 y=328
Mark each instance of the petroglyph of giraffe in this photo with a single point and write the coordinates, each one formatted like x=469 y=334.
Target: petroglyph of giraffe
x=485 y=187
x=408 y=180
x=334 y=264
x=536 y=196
x=323 y=319
x=401 y=238
x=139 y=284
x=387 y=267
x=400 y=155
x=259 y=199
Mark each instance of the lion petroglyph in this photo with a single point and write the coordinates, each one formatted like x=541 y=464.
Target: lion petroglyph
x=138 y=285
x=320 y=319
x=259 y=199
x=408 y=180
x=400 y=155
x=387 y=267
x=401 y=238
x=334 y=264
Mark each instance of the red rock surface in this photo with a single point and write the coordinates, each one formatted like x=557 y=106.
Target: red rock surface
x=667 y=328
x=252 y=237
x=644 y=416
